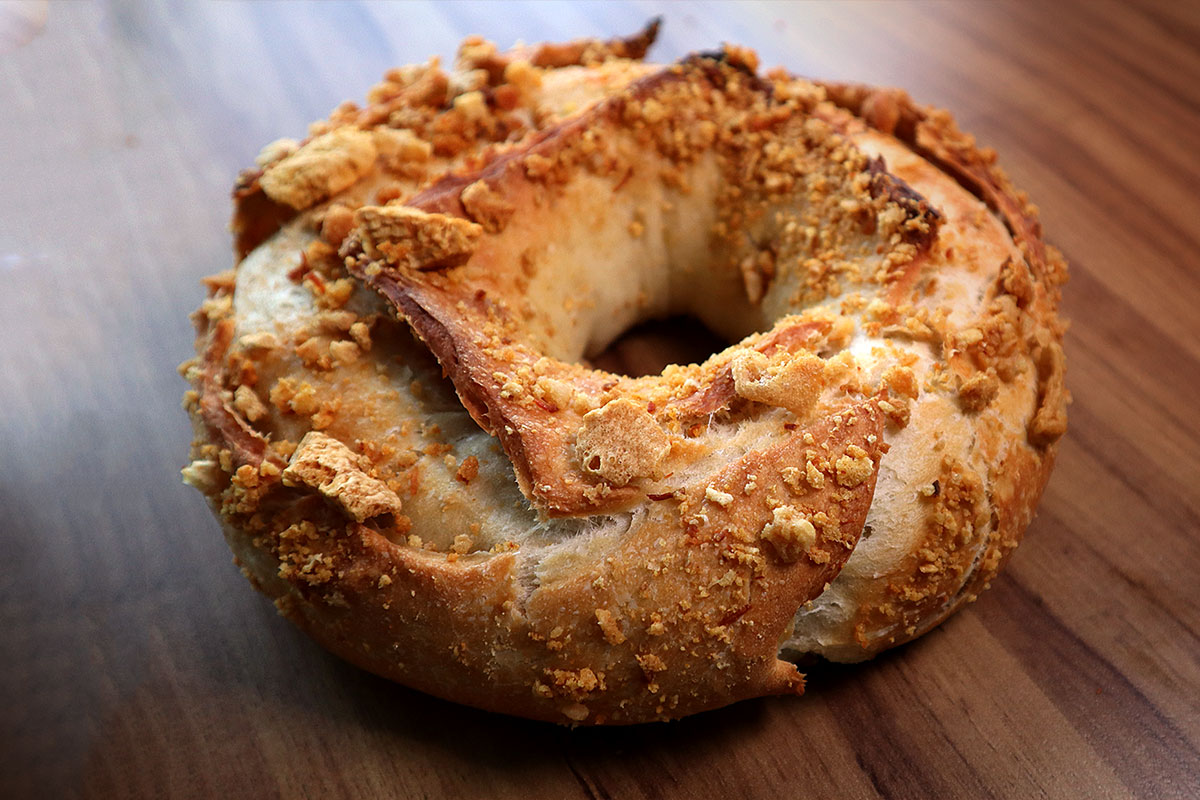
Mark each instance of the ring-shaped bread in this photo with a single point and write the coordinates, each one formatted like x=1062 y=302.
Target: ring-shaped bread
x=538 y=537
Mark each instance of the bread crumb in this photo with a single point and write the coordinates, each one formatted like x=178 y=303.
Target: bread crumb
x=555 y=392
x=344 y=352
x=790 y=380
x=314 y=353
x=324 y=166
x=249 y=404
x=621 y=442
x=976 y=392
x=789 y=533
x=608 y=625
x=722 y=499
x=468 y=469
x=408 y=237
x=854 y=467
x=360 y=332
x=814 y=476
x=651 y=664
x=399 y=146
x=486 y=206
x=331 y=468
x=259 y=340
x=338 y=222
x=903 y=381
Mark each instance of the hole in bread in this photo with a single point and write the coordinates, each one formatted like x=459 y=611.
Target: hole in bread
x=648 y=347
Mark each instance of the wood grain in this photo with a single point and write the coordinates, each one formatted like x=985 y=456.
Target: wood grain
x=135 y=660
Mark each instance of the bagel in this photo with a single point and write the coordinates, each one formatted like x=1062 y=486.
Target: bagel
x=399 y=428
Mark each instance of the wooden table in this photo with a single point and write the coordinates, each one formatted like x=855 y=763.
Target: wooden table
x=137 y=662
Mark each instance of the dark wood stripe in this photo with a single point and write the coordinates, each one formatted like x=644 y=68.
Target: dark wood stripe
x=1179 y=609
x=1131 y=340
x=1173 y=25
x=1116 y=719
x=1087 y=170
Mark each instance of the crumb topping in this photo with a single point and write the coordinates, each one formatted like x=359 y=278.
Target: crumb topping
x=486 y=206
x=789 y=533
x=467 y=470
x=854 y=467
x=321 y=168
x=621 y=442
x=791 y=381
x=402 y=236
x=331 y=468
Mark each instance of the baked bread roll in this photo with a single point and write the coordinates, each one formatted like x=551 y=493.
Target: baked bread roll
x=408 y=450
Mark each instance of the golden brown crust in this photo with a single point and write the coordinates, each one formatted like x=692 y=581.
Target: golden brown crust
x=603 y=645
x=705 y=517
